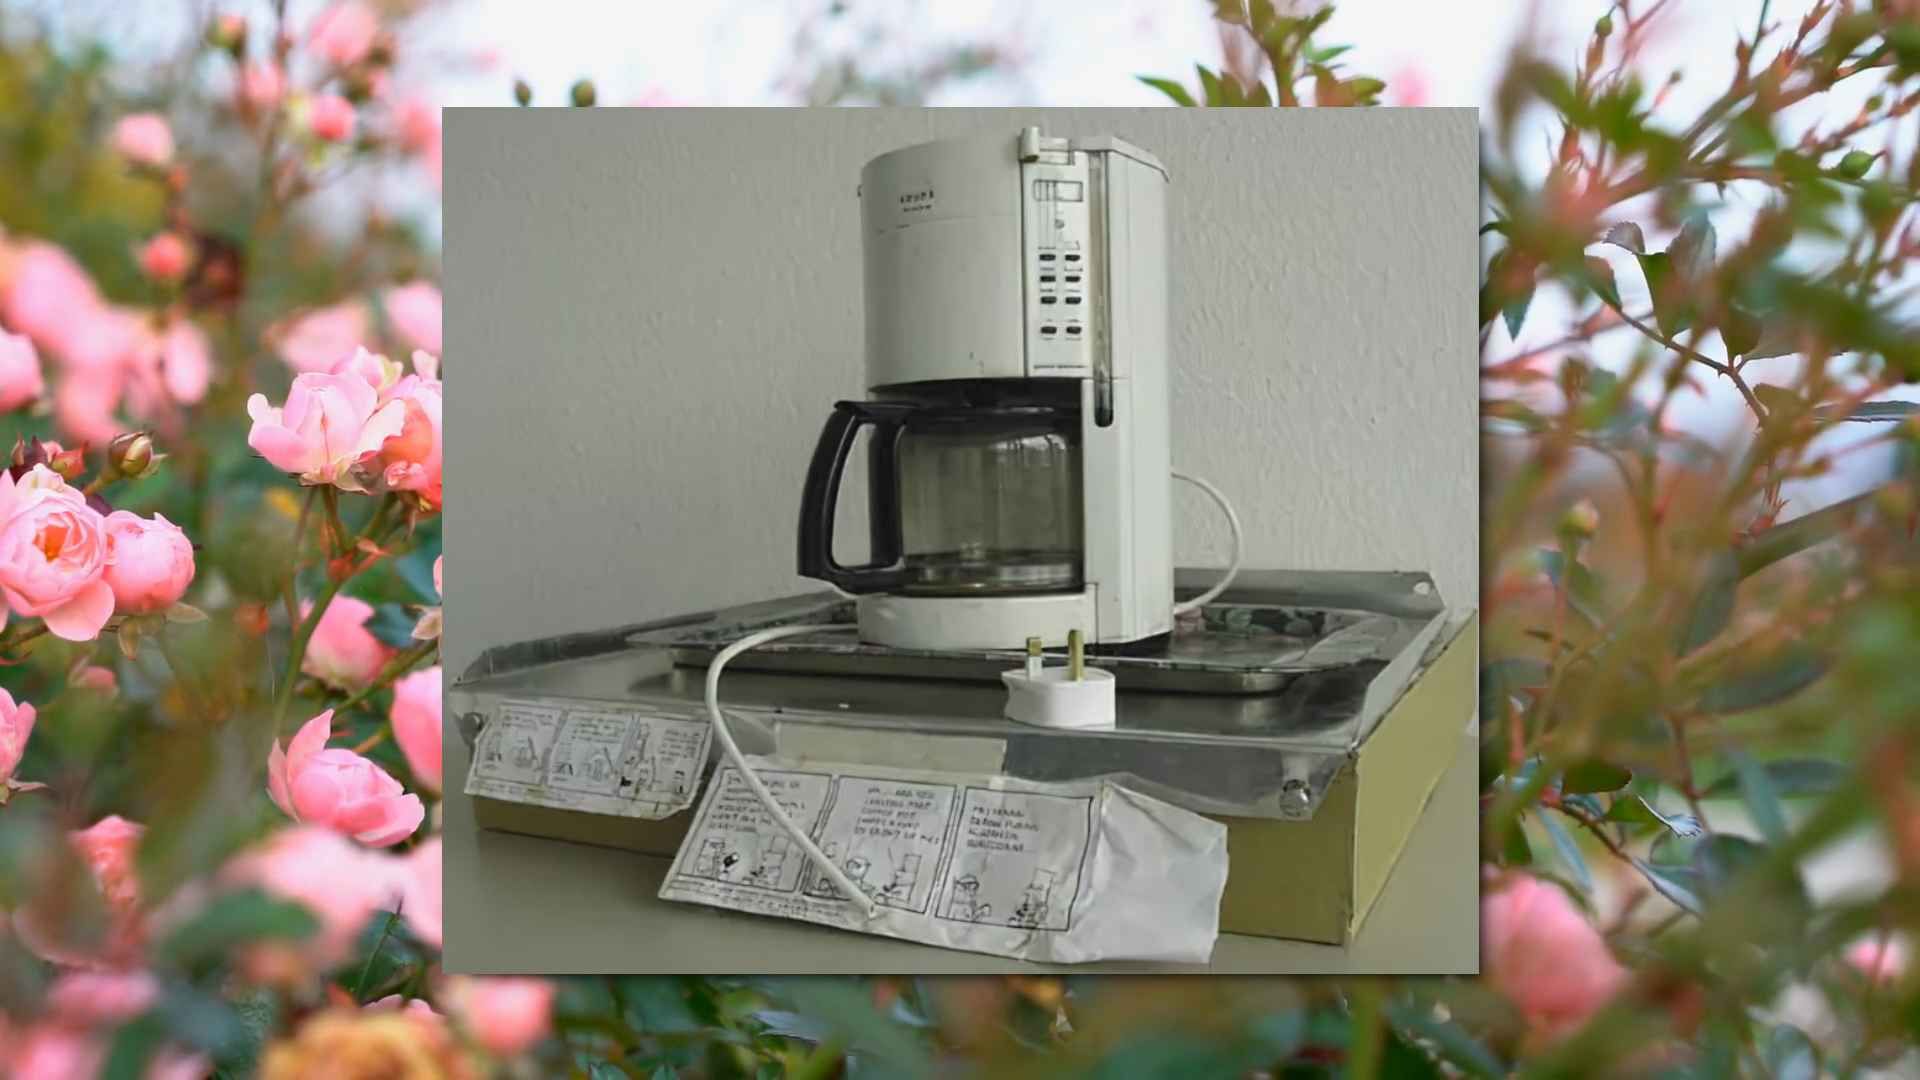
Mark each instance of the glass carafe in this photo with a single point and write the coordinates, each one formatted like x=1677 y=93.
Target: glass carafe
x=964 y=499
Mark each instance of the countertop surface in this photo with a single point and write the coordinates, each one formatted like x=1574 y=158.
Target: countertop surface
x=521 y=904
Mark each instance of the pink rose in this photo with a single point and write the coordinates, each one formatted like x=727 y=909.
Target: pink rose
x=16 y=725
x=165 y=257
x=98 y=679
x=343 y=34
x=339 y=789
x=85 y=400
x=342 y=652
x=411 y=459
x=436 y=575
x=330 y=118
x=414 y=1007
x=186 y=362
x=53 y=555
x=1883 y=960
x=1540 y=952
x=339 y=882
x=420 y=896
x=108 y=850
x=416 y=724
x=327 y=425
x=46 y=295
x=53 y=1052
x=144 y=139
x=261 y=85
x=414 y=311
x=102 y=997
x=20 y=381
x=505 y=1015
x=376 y=370
x=150 y=562
x=320 y=339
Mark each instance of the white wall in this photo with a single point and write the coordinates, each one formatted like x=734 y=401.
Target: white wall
x=651 y=311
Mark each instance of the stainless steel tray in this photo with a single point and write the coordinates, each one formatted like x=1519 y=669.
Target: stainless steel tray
x=1259 y=638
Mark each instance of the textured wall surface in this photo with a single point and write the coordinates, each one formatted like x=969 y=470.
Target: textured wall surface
x=651 y=311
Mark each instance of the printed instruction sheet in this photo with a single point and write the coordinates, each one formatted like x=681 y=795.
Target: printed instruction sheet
x=603 y=759
x=1057 y=871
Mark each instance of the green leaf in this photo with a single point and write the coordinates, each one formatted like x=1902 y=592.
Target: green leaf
x=1678 y=884
x=1636 y=810
x=234 y=919
x=1777 y=679
x=1627 y=235
x=1692 y=251
x=1712 y=605
x=1569 y=852
x=1871 y=412
x=1515 y=851
x=1212 y=87
x=1594 y=775
x=1723 y=860
x=1599 y=278
x=1791 y=778
x=1172 y=89
x=1671 y=312
x=1456 y=1045
x=1763 y=802
x=1515 y=311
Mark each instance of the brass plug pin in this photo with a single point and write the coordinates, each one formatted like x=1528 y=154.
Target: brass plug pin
x=1034 y=660
x=1076 y=656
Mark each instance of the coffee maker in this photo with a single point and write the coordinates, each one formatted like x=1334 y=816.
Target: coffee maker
x=1016 y=369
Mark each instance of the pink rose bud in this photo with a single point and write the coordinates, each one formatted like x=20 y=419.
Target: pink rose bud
x=20 y=380
x=186 y=362
x=1883 y=960
x=53 y=555
x=166 y=257
x=320 y=339
x=330 y=117
x=339 y=789
x=327 y=425
x=1540 y=951
x=102 y=997
x=342 y=652
x=416 y=724
x=16 y=725
x=144 y=139
x=343 y=34
x=228 y=32
x=67 y=464
x=131 y=454
x=436 y=575
x=505 y=1015
x=109 y=850
x=414 y=310
x=150 y=563
x=98 y=679
x=262 y=85
x=1581 y=519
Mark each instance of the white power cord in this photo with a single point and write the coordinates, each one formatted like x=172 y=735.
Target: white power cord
x=779 y=814
x=1233 y=525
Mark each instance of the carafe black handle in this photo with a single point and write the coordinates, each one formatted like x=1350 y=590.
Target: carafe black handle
x=821 y=496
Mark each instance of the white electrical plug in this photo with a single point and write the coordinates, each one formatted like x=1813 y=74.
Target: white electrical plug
x=1073 y=696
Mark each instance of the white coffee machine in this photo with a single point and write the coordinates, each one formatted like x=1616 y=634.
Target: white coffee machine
x=1016 y=366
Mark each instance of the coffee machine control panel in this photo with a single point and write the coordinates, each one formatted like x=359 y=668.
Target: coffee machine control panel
x=1061 y=257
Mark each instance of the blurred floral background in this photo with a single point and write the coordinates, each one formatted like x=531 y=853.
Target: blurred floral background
x=221 y=379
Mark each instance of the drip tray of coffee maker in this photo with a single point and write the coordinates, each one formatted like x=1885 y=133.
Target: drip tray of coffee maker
x=1260 y=637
